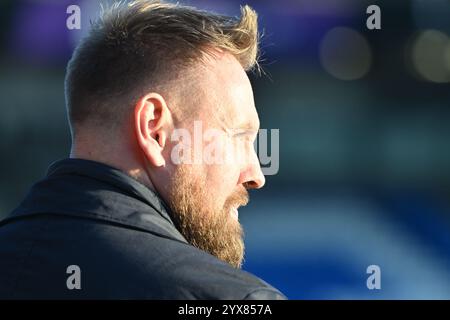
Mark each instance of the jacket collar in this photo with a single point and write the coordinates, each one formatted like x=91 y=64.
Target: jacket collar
x=89 y=189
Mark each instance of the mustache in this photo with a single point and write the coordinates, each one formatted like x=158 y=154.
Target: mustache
x=239 y=198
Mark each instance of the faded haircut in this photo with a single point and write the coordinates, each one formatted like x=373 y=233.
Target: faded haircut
x=142 y=45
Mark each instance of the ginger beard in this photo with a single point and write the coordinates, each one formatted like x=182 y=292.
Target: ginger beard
x=206 y=224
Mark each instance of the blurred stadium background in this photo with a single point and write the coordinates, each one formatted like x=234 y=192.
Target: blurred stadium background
x=364 y=137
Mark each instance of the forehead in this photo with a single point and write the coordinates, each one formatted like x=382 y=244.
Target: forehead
x=230 y=88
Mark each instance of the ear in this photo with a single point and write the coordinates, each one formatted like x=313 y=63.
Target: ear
x=152 y=120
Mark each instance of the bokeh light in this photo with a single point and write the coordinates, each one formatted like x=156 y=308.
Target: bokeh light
x=345 y=54
x=429 y=56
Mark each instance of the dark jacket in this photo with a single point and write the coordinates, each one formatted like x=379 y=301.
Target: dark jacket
x=120 y=236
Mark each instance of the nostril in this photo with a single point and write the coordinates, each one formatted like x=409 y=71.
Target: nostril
x=251 y=185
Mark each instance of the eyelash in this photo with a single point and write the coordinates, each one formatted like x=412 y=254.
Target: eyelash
x=245 y=136
x=240 y=134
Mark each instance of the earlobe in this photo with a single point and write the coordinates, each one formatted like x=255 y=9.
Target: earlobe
x=151 y=120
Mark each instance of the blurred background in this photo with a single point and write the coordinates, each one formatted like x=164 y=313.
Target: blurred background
x=364 y=120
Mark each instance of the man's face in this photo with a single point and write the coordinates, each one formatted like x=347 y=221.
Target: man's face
x=209 y=186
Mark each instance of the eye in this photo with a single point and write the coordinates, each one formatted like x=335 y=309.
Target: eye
x=244 y=135
x=241 y=134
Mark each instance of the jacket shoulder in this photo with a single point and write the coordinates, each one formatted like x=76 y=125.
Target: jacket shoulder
x=116 y=262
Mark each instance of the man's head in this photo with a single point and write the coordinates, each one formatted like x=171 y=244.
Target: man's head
x=160 y=91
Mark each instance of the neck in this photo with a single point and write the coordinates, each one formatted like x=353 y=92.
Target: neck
x=125 y=160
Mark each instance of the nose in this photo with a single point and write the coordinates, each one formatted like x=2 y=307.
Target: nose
x=252 y=176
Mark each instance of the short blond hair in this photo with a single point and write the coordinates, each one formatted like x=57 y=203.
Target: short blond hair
x=144 y=42
x=196 y=28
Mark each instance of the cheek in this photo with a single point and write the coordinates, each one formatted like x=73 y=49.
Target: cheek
x=222 y=180
x=222 y=161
